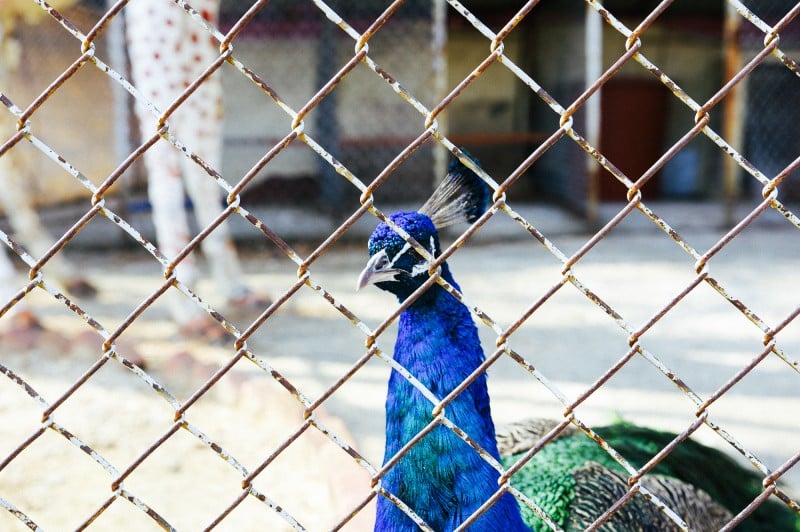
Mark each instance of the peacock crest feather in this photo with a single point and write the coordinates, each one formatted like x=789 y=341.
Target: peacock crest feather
x=462 y=196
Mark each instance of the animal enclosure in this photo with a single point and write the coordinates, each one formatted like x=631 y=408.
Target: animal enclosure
x=682 y=317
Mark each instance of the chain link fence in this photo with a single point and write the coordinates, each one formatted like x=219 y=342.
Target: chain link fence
x=347 y=103
x=767 y=85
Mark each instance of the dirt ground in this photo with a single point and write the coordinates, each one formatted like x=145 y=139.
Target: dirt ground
x=571 y=341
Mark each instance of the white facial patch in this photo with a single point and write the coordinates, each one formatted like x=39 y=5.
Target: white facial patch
x=418 y=269
x=400 y=253
x=425 y=265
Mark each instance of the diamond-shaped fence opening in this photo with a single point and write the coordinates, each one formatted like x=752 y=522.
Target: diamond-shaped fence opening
x=153 y=376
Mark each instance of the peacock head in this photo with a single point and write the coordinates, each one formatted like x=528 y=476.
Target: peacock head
x=394 y=264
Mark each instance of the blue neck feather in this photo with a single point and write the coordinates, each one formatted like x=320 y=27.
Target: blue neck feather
x=441 y=478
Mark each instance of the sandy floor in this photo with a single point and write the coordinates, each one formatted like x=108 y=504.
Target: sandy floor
x=119 y=415
x=704 y=340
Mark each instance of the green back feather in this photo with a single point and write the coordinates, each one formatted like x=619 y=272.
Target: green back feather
x=547 y=477
x=713 y=471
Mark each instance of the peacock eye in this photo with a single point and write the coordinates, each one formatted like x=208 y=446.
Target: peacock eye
x=383 y=261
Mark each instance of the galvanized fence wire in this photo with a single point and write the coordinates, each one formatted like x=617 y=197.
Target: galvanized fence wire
x=430 y=131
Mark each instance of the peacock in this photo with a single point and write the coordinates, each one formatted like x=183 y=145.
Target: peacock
x=572 y=479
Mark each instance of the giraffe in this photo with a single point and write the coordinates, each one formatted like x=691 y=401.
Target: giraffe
x=16 y=197
x=168 y=51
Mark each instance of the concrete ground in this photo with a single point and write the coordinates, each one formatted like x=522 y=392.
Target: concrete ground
x=636 y=270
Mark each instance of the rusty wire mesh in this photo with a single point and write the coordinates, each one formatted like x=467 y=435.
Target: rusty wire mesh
x=178 y=421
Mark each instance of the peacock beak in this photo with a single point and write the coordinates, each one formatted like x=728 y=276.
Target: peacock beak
x=379 y=268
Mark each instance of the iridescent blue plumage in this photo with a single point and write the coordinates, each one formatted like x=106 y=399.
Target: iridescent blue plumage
x=441 y=477
x=444 y=480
